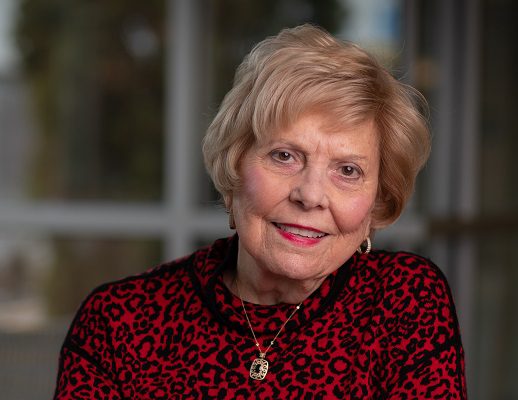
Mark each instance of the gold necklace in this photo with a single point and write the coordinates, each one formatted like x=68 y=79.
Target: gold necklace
x=259 y=367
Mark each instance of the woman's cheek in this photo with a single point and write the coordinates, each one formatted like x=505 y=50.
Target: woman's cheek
x=354 y=213
x=257 y=190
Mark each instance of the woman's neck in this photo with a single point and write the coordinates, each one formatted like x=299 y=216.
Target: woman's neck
x=258 y=287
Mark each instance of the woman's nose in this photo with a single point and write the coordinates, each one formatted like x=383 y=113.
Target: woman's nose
x=309 y=189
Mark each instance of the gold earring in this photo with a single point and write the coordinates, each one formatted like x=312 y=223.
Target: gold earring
x=231 y=221
x=365 y=247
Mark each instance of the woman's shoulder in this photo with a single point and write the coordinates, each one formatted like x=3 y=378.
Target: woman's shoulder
x=127 y=306
x=413 y=320
x=150 y=280
x=163 y=281
x=405 y=276
x=160 y=284
x=410 y=284
x=145 y=294
x=401 y=265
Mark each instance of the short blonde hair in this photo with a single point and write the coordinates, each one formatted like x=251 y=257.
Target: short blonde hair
x=306 y=70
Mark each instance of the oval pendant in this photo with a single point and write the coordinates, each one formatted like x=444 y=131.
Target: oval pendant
x=259 y=369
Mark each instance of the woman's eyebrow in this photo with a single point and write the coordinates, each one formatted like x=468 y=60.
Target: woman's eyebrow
x=346 y=156
x=355 y=157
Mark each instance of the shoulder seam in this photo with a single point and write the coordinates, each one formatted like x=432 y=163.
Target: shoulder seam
x=73 y=348
x=171 y=266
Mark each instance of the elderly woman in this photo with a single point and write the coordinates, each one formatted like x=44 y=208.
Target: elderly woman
x=315 y=147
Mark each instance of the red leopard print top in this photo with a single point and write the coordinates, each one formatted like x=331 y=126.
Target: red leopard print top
x=383 y=326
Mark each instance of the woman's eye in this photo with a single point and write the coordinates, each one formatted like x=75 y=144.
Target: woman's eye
x=350 y=171
x=282 y=156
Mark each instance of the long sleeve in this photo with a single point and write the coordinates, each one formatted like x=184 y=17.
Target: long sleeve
x=86 y=360
x=421 y=350
x=80 y=378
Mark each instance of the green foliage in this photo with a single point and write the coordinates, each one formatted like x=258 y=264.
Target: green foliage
x=95 y=69
x=96 y=72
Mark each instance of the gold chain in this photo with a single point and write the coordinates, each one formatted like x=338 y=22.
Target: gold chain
x=262 y=363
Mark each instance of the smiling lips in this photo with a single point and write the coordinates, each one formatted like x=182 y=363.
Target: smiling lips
x=300 y=234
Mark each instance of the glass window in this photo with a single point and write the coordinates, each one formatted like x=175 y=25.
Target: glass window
x=95 y=78
x=84 y=89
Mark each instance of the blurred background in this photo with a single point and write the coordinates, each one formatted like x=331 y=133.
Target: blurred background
x=102 y=108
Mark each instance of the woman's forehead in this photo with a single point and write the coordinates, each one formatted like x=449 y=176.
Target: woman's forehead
x=312 y=132
x=317 y=123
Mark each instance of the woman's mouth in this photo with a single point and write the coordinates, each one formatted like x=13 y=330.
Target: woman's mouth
x=299 y=231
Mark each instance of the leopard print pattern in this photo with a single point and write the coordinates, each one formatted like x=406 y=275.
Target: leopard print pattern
x=383 y=326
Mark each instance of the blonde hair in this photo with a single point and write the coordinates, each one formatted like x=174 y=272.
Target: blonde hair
x=303 y=70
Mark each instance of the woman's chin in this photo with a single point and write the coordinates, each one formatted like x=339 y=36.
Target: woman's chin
x=299 y=268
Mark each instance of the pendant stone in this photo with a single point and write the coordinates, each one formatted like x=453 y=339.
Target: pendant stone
x=259 y=368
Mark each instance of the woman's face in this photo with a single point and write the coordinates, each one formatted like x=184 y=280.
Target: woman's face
x=306 y=198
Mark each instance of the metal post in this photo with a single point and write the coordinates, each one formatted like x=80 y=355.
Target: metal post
x=466 y=259
x=181 y=106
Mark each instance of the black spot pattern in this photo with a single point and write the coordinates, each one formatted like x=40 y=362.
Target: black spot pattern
x=383 y=326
